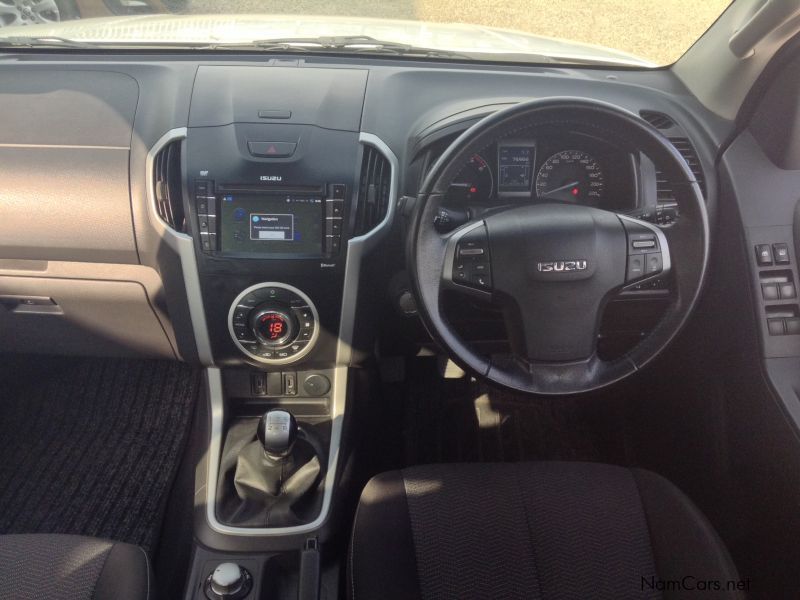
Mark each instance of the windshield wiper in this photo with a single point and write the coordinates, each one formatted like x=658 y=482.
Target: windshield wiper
x=348 y=44
x=46 y=41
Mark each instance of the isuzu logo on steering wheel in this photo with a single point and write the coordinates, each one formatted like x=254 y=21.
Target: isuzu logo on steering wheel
x=559 y=266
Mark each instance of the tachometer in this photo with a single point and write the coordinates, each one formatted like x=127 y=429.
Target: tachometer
x=570 y=176
x=474 y=182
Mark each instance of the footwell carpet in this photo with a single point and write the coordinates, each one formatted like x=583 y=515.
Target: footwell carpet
x=91 y=446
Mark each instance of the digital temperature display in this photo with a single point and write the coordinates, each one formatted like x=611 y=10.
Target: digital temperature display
x=273 y=327
x=515 y=167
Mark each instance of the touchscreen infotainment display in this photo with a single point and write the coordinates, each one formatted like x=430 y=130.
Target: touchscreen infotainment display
x=286 y=225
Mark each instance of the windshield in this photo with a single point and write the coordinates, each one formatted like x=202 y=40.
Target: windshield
x=624 y=32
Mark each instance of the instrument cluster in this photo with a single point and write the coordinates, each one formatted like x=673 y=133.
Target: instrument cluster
x=573 y=167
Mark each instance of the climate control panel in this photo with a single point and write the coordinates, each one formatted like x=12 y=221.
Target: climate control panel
x=273 y=323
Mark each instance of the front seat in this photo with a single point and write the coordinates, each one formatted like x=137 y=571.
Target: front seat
x=545 y=530
x=72 y=567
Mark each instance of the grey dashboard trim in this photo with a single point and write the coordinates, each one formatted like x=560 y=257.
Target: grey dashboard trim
x=217 y=405
x=67 y=146
x=183 y=245
x=358 y=246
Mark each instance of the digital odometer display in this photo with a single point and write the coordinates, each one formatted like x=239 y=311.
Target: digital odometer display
x=515 y=167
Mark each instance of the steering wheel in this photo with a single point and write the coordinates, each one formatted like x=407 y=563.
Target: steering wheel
x=552 y=268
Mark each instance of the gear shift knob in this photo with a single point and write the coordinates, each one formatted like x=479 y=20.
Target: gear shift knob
x=277 y=432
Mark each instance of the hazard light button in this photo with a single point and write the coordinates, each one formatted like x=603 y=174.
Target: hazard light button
x=272 y=149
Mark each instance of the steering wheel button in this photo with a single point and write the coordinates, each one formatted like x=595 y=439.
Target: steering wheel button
x=461 y=276
x=482 y=281
x=476 y=251
x=644 y=243
x=654 y=263
x=480 y=268
x=635 y=267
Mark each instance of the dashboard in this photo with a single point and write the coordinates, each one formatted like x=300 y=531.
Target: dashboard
x=182 y=187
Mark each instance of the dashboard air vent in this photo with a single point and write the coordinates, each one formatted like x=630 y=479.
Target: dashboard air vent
x=657 y=119
x=684 y=146
x=373 y=190
x=167 y=185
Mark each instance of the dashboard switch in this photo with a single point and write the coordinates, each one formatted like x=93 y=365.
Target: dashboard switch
x=769 y=291
x=764 y=255
x=781 y=253
x=290 y=384
x=316 y=385
x=792 y=326
x=272 y=149
x=775 y=326
x=787 y=291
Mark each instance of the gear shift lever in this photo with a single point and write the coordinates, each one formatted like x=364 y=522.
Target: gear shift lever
x=277 y=432
x=276 y=478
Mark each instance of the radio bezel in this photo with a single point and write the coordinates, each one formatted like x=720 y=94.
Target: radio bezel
x=209 y=224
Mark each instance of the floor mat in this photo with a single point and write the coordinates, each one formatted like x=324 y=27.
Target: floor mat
x=461 y=420
x=91 y=446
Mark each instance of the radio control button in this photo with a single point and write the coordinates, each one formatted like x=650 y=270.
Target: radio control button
x=339 y=191
x=203 y=187
x=333 y=226
x=334 y=208
x=332 y=244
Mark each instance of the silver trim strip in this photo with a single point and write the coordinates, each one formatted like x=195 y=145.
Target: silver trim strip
x=217 y=402
x=275 y=361
x=184 y=247
x=356 y=249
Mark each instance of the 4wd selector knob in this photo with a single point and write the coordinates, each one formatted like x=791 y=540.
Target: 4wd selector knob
x=273 y=324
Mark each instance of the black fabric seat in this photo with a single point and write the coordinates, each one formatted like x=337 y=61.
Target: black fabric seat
x=71 y=567
x=538 y=530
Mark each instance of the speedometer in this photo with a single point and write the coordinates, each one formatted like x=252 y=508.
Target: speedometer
x=474 y=182
x=570 y=176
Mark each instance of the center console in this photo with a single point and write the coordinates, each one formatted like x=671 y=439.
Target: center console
x=280 y=197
